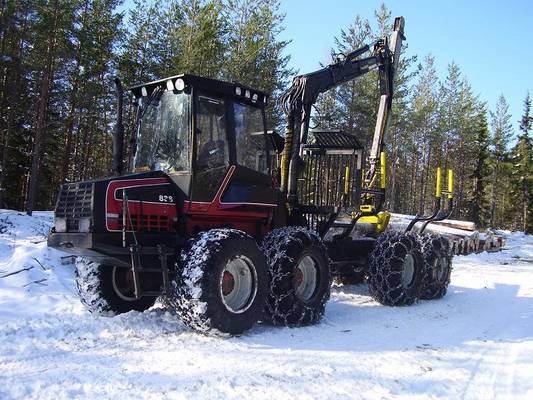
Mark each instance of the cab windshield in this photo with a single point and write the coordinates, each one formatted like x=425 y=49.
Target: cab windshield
x=163 y=135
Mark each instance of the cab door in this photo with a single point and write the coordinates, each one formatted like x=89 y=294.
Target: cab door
x=211 y=146
x=232 y=186
x=251 y=182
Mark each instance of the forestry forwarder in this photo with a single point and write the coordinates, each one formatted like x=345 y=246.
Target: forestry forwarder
x=208 y=221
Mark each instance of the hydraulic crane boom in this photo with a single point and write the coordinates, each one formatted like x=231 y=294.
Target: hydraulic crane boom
x=300 y=97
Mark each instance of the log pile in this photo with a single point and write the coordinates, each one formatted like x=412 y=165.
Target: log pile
x=463 y=235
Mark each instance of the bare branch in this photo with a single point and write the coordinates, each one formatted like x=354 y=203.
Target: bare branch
x=42 y=266
x=39 y=282
x=16 y=272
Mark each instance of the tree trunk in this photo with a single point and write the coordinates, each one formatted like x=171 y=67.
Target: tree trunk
x=392 y=192
x=44 y=99
x=73 y=102
x=493 y=195
x=13 y=101
x=68 y=142
x=524 y=210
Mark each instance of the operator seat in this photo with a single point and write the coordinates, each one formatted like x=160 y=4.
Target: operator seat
x=212 y=155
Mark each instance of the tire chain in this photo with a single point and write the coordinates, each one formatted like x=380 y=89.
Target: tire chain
x=385 y=267
x=87 y=284
x=272 y=246
x=432 y=245
x=186 y=291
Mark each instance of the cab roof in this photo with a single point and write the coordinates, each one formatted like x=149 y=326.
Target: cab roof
x=234 y=89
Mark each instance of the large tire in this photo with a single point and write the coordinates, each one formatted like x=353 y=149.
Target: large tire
x=395 y=269
x=106 y=290
x=437 y=254
x=299 y=274
x=223 y=283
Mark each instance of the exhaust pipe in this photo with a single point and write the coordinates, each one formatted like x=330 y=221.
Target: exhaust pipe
x=118 y=136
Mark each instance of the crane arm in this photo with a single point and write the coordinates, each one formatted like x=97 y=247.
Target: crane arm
x=299 y=98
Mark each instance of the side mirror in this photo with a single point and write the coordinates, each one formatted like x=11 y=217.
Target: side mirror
x=277 y=141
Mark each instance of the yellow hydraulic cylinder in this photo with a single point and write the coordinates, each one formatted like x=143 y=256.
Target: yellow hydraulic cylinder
x=346 y=180
x=382 y=176
x=450 y=184
x=438 y=192
x=285 y=155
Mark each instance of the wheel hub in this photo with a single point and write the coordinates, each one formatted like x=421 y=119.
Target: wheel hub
x=408 y=271
x=228 y=283
x=440 y=269
x=238 y=284
x=298 y=277
x=305 y=278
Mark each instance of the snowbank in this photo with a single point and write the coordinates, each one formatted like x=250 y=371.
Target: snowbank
x=476 y=343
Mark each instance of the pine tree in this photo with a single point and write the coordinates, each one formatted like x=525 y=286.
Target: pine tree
x=254 y=54
x=16 y=20
x=522 y=172
x=356 y=100
x=464 y=151
x=139 y=56
x=88 y=91
x=478 y=203
x=51 y=18
x=424 y=125
x=148 y=50
x=501 y=134
x=202 y=38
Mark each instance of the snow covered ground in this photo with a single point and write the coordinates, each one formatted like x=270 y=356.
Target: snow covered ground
x=476 y=343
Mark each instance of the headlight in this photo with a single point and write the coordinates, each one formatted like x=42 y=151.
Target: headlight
x=60 y=224
x=180 y=84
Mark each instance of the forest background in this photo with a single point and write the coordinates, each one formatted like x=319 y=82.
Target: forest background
x=57 y=101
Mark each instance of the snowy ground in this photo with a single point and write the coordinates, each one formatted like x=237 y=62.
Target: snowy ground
x=476 y=343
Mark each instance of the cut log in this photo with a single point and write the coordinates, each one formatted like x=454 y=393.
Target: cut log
x=463 y=236
x=453 y=223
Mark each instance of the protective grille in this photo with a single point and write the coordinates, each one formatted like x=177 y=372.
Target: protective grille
x=322 y=184
x=75 y=202
x=150 y=223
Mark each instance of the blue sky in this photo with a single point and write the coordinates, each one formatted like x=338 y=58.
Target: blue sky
x=491 y=41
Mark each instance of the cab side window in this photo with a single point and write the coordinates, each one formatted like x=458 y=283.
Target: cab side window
x=211 y=140
x=250 y=137
x=212 y=150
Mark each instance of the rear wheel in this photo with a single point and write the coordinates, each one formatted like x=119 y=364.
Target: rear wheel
x=223 y=283
x=395 y=269
x=299 y=276
x=437 y=256
x=108 y=290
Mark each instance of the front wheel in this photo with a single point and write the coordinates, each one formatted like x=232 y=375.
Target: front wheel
x=223 y=283
x=108 y=290
x=299 y=276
